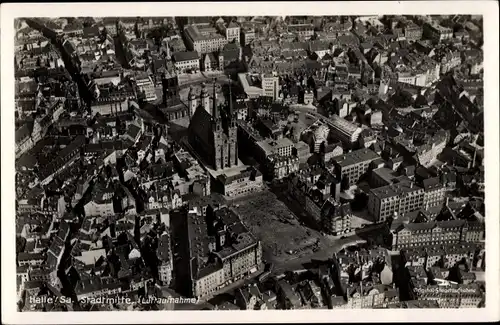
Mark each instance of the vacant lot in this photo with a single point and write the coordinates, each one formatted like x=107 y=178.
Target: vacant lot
x=285 y=242
x=282 y=236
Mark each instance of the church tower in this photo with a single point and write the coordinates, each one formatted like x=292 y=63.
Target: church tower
x=232 y=132
x=220 y=138
x=205 y=99
x=192 y=102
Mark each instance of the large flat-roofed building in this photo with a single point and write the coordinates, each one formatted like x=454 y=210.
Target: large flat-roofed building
x=344 y=130
x=221 y=249
x=395 y=199
x=204 y=41
x=237 y=181
x=281 y=147
x=255 y=85
x=252 y=85
x=353 y=165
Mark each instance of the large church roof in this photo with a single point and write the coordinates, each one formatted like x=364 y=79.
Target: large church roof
x=201 y=124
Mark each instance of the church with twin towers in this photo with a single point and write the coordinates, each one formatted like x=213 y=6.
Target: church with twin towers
x=212 y=131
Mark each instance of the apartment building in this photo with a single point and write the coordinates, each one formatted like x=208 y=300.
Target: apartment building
x=186 y=61
x=353 y=165
x=395 y=199
x=204 y=41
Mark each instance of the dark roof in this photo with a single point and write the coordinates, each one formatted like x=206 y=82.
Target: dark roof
x=201 y=124
x=133 y=130
x=68 y=46
x=185 y=56
x=22 y=133
x=93 y=284
x=431 y=183
x=89 y=32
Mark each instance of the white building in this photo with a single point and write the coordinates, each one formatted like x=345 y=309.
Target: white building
x=146 y=85
x=270 y=86
x=185 y=61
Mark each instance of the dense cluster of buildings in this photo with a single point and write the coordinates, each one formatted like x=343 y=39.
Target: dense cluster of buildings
x=134 y=136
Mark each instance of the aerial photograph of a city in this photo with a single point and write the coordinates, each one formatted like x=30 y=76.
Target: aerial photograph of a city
x=249 y=163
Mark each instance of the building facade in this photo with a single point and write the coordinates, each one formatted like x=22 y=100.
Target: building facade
x=394 y=200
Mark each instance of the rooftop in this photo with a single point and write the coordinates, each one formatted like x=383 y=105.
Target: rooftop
x=397 y=189
x=356 y=157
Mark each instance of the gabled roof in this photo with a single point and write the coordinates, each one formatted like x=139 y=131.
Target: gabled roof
x=201 y=124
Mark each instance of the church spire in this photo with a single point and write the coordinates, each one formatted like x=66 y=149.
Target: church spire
x=230 y=100
x=215 y=113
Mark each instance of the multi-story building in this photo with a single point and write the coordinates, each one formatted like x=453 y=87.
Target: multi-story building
x=304 y=31
x=270 y=86
x=344 y=130
x=312 y=188
x=146 y=86
x=244 y=181
x=247 y=35
x=450 y=60
x=210 y=62
x=24 y=142
x=441 y=256
x=282 y=166
x=412 y=32
x=93 y=287
x=434 y=193
x=255 y=85
x=281 y=147
x=457 y=253
x=233 y=32
x=275 y=156
x=222 y=250
x=394 y=199
x=186 y=61
x=336 y=217
x=110 y=99
x=437 y=32
x=427 y=233
x=204 y=42
x=474 y=232
x=353 y=165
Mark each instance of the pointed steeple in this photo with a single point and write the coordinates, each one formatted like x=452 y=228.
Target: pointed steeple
x=230 y=100
x=215 y=112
